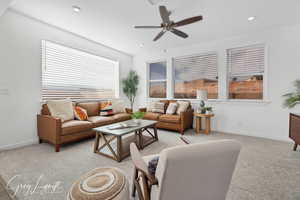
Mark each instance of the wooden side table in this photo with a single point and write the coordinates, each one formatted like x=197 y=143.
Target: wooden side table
x=207 y=118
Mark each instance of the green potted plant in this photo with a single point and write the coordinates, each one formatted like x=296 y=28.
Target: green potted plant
x=137 y=116
x=130 y=86
x=292 y=98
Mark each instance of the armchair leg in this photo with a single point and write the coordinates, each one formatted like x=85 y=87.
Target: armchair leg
x=57 y=147
x=135 y=176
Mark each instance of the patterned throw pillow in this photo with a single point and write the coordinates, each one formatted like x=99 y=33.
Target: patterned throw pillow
x=172 y=108
x=182 y=106
x=158 y=107
x=152 y=165
x=106 y=108
x=80 y=113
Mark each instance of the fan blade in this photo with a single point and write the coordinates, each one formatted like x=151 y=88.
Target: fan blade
x=159 y=35
x=164 y=14
x=179 y=33
x=148 y=27
x=188 y=21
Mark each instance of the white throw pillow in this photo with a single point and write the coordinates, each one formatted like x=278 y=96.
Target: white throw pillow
x=172 y=108
x=62 y=109
x=182 y=106
x=118 y=106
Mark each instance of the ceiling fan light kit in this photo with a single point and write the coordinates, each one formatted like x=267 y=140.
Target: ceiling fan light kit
x=168 y=25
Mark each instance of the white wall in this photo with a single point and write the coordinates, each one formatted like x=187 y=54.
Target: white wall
x=4 y=4
x=20 y=69
x=266 y=119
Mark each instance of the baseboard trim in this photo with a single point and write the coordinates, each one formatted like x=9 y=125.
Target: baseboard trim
x=19 y=145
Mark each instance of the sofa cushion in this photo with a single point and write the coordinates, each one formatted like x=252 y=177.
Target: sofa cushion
x=62 y=109
x=121 y=117
x=92 y=108
x=182 y=106
x=152 y=116
x=75 y=126
x=170 y=118
x=100 y=120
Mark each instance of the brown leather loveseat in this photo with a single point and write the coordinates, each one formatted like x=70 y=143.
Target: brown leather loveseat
x=174 y=122
x=56 y=132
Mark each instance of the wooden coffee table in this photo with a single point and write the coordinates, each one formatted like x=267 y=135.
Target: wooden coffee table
x=114 y=144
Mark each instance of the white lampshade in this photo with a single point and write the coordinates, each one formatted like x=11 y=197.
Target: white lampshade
x=202 y=95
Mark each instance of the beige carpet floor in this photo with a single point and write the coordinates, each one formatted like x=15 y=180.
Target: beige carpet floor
x=266 y=169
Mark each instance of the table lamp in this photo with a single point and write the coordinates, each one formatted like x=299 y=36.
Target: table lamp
x=202 y=96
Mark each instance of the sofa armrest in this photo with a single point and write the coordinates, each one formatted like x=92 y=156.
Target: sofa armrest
x=128 y=110
x=187 y=118
x=49 y=128
x=143 y=109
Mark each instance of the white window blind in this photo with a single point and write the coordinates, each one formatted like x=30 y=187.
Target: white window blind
x=246 y=61
x=70 y=73
x=196 y=67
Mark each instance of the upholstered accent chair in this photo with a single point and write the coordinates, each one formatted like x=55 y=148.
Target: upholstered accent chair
x=190 y=172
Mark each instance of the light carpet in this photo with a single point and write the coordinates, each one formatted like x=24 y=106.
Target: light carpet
x=266 y=169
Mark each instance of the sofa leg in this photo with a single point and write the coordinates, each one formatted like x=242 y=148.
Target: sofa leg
x=40 y=141
x=57 y=147
x=182 y=132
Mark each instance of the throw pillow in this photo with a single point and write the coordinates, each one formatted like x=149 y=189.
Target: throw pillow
x=62 y=109
x=118 y=106
x=182 y=106
x=152 y=165
x=80 y=113
x=172 y=108
x=106 y=108
x=158 y=107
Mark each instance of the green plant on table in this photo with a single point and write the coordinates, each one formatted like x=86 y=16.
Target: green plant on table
x=137 y=115
x=292 y=98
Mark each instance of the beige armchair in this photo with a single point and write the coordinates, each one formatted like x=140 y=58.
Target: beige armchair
x=190 y=172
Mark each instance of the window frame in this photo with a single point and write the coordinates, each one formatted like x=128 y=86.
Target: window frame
x=265 y=75
x=43 y=67
x=148 y=63
x=190 y=55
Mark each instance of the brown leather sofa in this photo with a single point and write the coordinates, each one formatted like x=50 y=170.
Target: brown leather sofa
x=171 y=122
x=54 y=131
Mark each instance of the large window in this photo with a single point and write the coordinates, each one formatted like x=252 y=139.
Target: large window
x=246 y=72
x=70 y=73
x=195 y=72
x=158 y=80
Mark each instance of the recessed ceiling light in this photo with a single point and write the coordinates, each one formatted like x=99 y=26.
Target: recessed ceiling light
x=251 y=18
x=142 y=45
x=76 y=9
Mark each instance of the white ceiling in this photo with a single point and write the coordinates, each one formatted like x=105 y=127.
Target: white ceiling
x=111 y=22
x=4 y=4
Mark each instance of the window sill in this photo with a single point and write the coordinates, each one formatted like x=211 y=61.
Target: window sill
x=239 y=101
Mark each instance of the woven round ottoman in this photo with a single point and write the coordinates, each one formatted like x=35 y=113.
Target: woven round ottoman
x=100 y=184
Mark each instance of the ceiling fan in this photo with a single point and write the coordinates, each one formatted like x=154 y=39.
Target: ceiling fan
x=168 y=25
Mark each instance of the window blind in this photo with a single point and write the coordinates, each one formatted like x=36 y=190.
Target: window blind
x=70 y=73
x=246 y=61
x=196 y=67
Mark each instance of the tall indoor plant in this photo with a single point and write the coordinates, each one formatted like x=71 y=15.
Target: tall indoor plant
x=293 y=98
x=130 y=86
